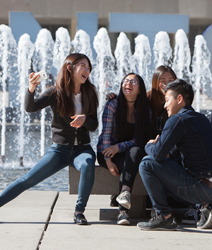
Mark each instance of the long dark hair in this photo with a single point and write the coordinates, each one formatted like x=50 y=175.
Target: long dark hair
x=65 y=89
x=141 y=114
x=154 y=96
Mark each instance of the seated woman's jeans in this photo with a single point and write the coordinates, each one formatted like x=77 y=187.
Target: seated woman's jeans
x=127 y=164
x=56 y=158
x=162 y=177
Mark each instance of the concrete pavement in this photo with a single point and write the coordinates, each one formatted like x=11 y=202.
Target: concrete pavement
x=44 y=220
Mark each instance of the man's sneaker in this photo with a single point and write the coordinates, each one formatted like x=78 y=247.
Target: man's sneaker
x=123 y=218
x=158 y=222
x=205 y=221
x=191 y=217
x=124 y=199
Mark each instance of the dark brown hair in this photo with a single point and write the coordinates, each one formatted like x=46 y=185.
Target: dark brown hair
x=65 y=89
x=154 y=96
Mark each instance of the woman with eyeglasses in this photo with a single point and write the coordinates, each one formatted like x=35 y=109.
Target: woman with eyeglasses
x=156 y=96
x=125 y=131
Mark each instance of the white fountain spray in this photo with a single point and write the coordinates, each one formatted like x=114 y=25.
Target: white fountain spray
x=42 y=60
x=25 y=53
x=123 y=56
x=81 y=44
x=162 y=49
x=182 y=56
x=8 y=57
x=105 y=78
x=104 y=75
x=201 y=75
x=142 y=59
x=62 y=48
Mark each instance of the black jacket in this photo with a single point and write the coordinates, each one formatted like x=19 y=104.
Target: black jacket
x=62 y=132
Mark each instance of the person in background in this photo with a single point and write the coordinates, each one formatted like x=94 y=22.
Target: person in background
x=156 y=97
x=73 y=103
x=189 y=134
x=125 y=131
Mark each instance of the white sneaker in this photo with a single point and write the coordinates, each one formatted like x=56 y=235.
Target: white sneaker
x=124 y=199
x=123 y=218
x=205 y=221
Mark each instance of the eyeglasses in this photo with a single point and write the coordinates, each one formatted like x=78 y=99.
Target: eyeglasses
x=131 y=81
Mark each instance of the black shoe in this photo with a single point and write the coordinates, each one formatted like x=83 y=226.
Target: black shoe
x=80 y=219
x=113 y=202
x=158 y=222
x=205 y=221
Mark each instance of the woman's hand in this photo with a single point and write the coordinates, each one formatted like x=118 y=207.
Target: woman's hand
x=112 y=167
x=110 y=96
x=78 y=121
x=111 y=151
x=33 y=82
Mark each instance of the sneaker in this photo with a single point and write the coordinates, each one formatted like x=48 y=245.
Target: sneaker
x=191 y=217
x=123 y=218
x=158 y=222
x=205 y=221
x=113 y=202
x=124 y=199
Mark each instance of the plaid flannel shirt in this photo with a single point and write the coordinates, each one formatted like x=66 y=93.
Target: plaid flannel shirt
x=108 y=136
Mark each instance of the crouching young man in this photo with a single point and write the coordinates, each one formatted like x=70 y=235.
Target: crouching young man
x=179 y=161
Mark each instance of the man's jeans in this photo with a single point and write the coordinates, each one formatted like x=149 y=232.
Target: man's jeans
x=56 y=158
x=162 y=177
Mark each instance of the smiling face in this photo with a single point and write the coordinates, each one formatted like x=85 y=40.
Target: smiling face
x=165 y=78
x=173 y=105
x=81 y=71
x=130 y=87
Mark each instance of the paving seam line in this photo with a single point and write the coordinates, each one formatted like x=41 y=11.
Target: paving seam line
x=48 y=220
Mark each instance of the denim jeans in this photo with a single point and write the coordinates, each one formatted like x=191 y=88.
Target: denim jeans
x=56 y=158
x=162 y=177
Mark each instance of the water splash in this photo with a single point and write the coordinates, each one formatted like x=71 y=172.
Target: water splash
x=105 y=79
x=123 y=56
x=42 y=60
x=81 y=44
x=182 y=56
x=8 y=63
x=162 y=49
x=25 y=53
x=142 y=59
x=201 y=75
x=103 y=75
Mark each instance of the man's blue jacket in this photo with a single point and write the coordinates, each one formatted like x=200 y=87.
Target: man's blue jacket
x=190 y=134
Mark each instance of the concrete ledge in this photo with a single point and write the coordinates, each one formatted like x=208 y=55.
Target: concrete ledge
x=106 y=183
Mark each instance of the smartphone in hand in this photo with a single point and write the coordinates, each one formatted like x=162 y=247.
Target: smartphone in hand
x=43 y=75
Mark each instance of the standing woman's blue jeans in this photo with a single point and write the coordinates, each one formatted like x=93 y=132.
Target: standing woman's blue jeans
x=56 y=158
